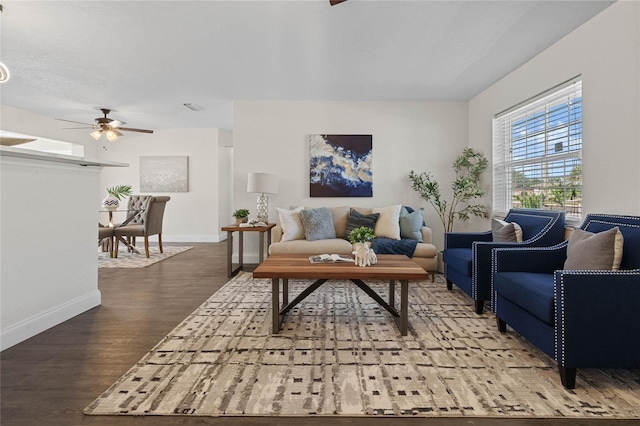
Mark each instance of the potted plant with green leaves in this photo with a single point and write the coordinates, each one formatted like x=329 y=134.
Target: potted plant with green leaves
x=361 y=235
x=115 y=195
x=241 y=215
x=466 y=186
x=361 y=238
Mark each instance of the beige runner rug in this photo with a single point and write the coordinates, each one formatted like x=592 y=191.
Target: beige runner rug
x=127 y=259
x=339 y=353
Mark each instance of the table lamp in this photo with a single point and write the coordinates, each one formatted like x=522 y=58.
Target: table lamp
x=262 y=183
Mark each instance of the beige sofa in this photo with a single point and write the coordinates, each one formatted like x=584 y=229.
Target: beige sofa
x=425 y=254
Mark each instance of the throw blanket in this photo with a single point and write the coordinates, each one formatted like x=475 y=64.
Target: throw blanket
x=388 y=246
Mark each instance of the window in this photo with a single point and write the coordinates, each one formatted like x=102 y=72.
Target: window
x=537 y=153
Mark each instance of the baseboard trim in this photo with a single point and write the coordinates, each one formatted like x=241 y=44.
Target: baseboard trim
x=38 y=323
x=214 y=238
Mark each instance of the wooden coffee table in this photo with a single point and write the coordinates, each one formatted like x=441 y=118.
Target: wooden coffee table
x=390 y=267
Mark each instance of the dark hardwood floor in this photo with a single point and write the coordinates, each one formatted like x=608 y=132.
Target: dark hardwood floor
x=48 y=379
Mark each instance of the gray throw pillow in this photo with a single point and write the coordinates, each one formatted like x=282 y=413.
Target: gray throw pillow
x=505 y=232
x=357 y=219
x=411 y=224
x=589 y=251
x=317 y=224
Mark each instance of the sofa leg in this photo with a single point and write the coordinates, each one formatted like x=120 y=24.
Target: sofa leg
x=449 y=285
x=502 y=326
x=479 y=307
x=567 y=377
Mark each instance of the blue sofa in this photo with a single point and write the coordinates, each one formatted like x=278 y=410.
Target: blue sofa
x=467 y=256
x=581 y=318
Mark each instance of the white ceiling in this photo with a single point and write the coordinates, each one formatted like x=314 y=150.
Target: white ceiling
x=144 y=59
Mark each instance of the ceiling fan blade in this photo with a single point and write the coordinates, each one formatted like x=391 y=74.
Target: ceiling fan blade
x=335 y=2
x=7 y=141
x=71 y=121
x=129 y=129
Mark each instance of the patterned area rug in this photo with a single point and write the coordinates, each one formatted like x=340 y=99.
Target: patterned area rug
x=339 y=353
x=126 y=259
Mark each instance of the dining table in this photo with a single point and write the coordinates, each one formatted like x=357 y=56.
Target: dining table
x=130 y=215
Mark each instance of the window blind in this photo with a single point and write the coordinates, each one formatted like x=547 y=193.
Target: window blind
x=537 y=153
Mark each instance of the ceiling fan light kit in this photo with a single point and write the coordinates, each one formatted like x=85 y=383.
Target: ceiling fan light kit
x=108 y=126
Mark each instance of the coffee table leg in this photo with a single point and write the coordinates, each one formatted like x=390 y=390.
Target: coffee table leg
x=275 y=305
x=404 y=307
x=285 y=291
x=392 y=293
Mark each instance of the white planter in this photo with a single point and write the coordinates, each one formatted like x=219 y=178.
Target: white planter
x=110 y=203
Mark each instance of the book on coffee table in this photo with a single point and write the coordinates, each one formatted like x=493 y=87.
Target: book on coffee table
x=330 y=258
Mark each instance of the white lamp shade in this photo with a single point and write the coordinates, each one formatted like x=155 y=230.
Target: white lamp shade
x=262 y=183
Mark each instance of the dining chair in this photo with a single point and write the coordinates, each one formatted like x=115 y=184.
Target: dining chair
x=149 y=223
x=136 y=207
x=105 y=238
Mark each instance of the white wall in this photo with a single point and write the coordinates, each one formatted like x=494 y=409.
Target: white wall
x=225 y=179
x=191 y=216
x=269 y=136
x=48 y=238
x=606 y=51
x=25 y=122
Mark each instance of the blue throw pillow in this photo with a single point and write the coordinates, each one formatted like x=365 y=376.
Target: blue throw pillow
x=357 y=219
x=411 y=224
x=317 y=224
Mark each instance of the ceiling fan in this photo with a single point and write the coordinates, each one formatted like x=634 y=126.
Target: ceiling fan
x=110 y=127
x=334 y=2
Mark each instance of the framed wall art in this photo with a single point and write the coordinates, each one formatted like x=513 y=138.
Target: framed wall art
x=340 y=165
x=164 y=174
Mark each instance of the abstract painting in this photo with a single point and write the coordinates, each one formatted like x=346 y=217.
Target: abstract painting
x=340 y=166
x=164 y=174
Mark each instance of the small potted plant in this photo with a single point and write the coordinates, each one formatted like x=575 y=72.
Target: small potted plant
x=241 y=215
x=361 y=239
x=363 y=234
x=116 y=194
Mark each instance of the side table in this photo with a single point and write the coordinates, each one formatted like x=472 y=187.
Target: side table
x=230 y=229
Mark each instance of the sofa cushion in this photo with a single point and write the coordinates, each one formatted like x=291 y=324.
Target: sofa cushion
x=460 y=258
x=291 y=225
x=357 y=219
x=336 y=245
x=340 y=217
x=505 y=232
x=602 y=250
x=388 y=224
x=531 y=291
x=317 y=224
x=411 y=224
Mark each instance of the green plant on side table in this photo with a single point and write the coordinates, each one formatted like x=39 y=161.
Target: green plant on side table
x=241 y=215
x=466 y=186
x=362 y=234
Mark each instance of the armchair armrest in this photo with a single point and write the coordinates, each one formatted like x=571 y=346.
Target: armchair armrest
x=543 y=260
x=598 y=320
x=465 y=239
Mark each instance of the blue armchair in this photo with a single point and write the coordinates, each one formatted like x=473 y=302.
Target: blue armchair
x=581 y=318
x=467 y=256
